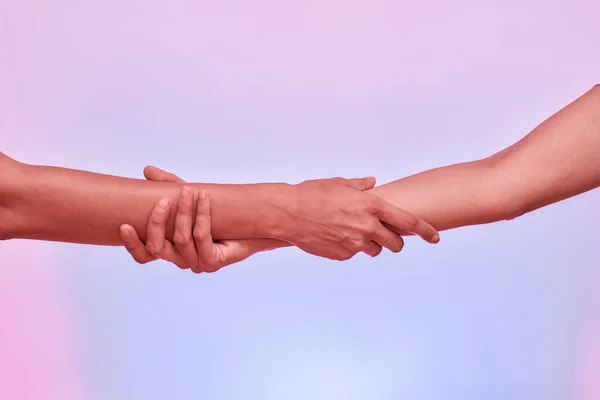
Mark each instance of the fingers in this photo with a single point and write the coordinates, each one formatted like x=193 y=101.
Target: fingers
x=182 y=235
x=134 y=245
x=152 y=173
x=405 y=221
x=238 y=250
x=396 y=230
x=193 y=250
x=358 y=183
x=207 y=261
x=388 y=239
x=373 y=249
x=233 y=251
x=157 y=227
x=156 y=242
x=214 y=256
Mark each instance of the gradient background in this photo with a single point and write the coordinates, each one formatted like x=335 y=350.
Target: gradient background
x=235 y=91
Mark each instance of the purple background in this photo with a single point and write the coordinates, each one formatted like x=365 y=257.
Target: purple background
x=233 y=91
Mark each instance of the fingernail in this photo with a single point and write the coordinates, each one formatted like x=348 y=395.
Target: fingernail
x=435 y=239
x=163 y=204
x=185 y=193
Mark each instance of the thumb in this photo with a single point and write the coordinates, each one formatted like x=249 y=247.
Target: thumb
x=159 y=175
x=235 y=251
x=359 y=183
x=134 y=245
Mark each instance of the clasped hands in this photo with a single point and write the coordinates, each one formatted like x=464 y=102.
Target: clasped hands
x=332 y=218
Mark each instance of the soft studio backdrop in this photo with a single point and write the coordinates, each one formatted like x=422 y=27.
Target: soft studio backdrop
x=236 y=91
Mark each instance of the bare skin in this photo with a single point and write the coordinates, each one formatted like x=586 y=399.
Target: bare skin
x=193 y=246
x=559 y=159
x=332 y=218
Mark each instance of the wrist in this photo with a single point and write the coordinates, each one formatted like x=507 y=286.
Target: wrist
x=248 y=211
x=275 y=219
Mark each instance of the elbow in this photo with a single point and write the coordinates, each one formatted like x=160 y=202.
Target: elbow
x=512 y=205
x=505 y=208
x=515 y=210
x=8 y=178
x=5 y=230
x=518 y=203
x=506 y=201
x=5 y=218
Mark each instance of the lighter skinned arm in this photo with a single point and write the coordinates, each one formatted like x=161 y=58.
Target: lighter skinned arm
x=557 y=160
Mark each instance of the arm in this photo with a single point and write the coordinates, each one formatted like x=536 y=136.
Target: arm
x=557 y=160
x=330 y=218
x=196 y=251
x=58 y=204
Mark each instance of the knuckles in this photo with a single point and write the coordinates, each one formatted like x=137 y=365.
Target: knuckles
x=152 y=249
x=370 y=205
x=196 y=269
x=411 y=223
x=206 y=268
x=180 y=239
x=199 y=234
x=343 y=257
x=211 y=269
x=371 y=226
x=140 y=260
x=347 y=251
x=157 y=217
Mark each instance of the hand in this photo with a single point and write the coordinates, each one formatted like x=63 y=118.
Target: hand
x=194 y=247
x=335 y=218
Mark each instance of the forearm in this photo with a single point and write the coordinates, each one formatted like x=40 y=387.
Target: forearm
x=58 y=204
x=557 y=160
x=452 y=196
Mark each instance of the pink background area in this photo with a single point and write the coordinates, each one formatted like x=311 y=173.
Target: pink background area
x=232 y=91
